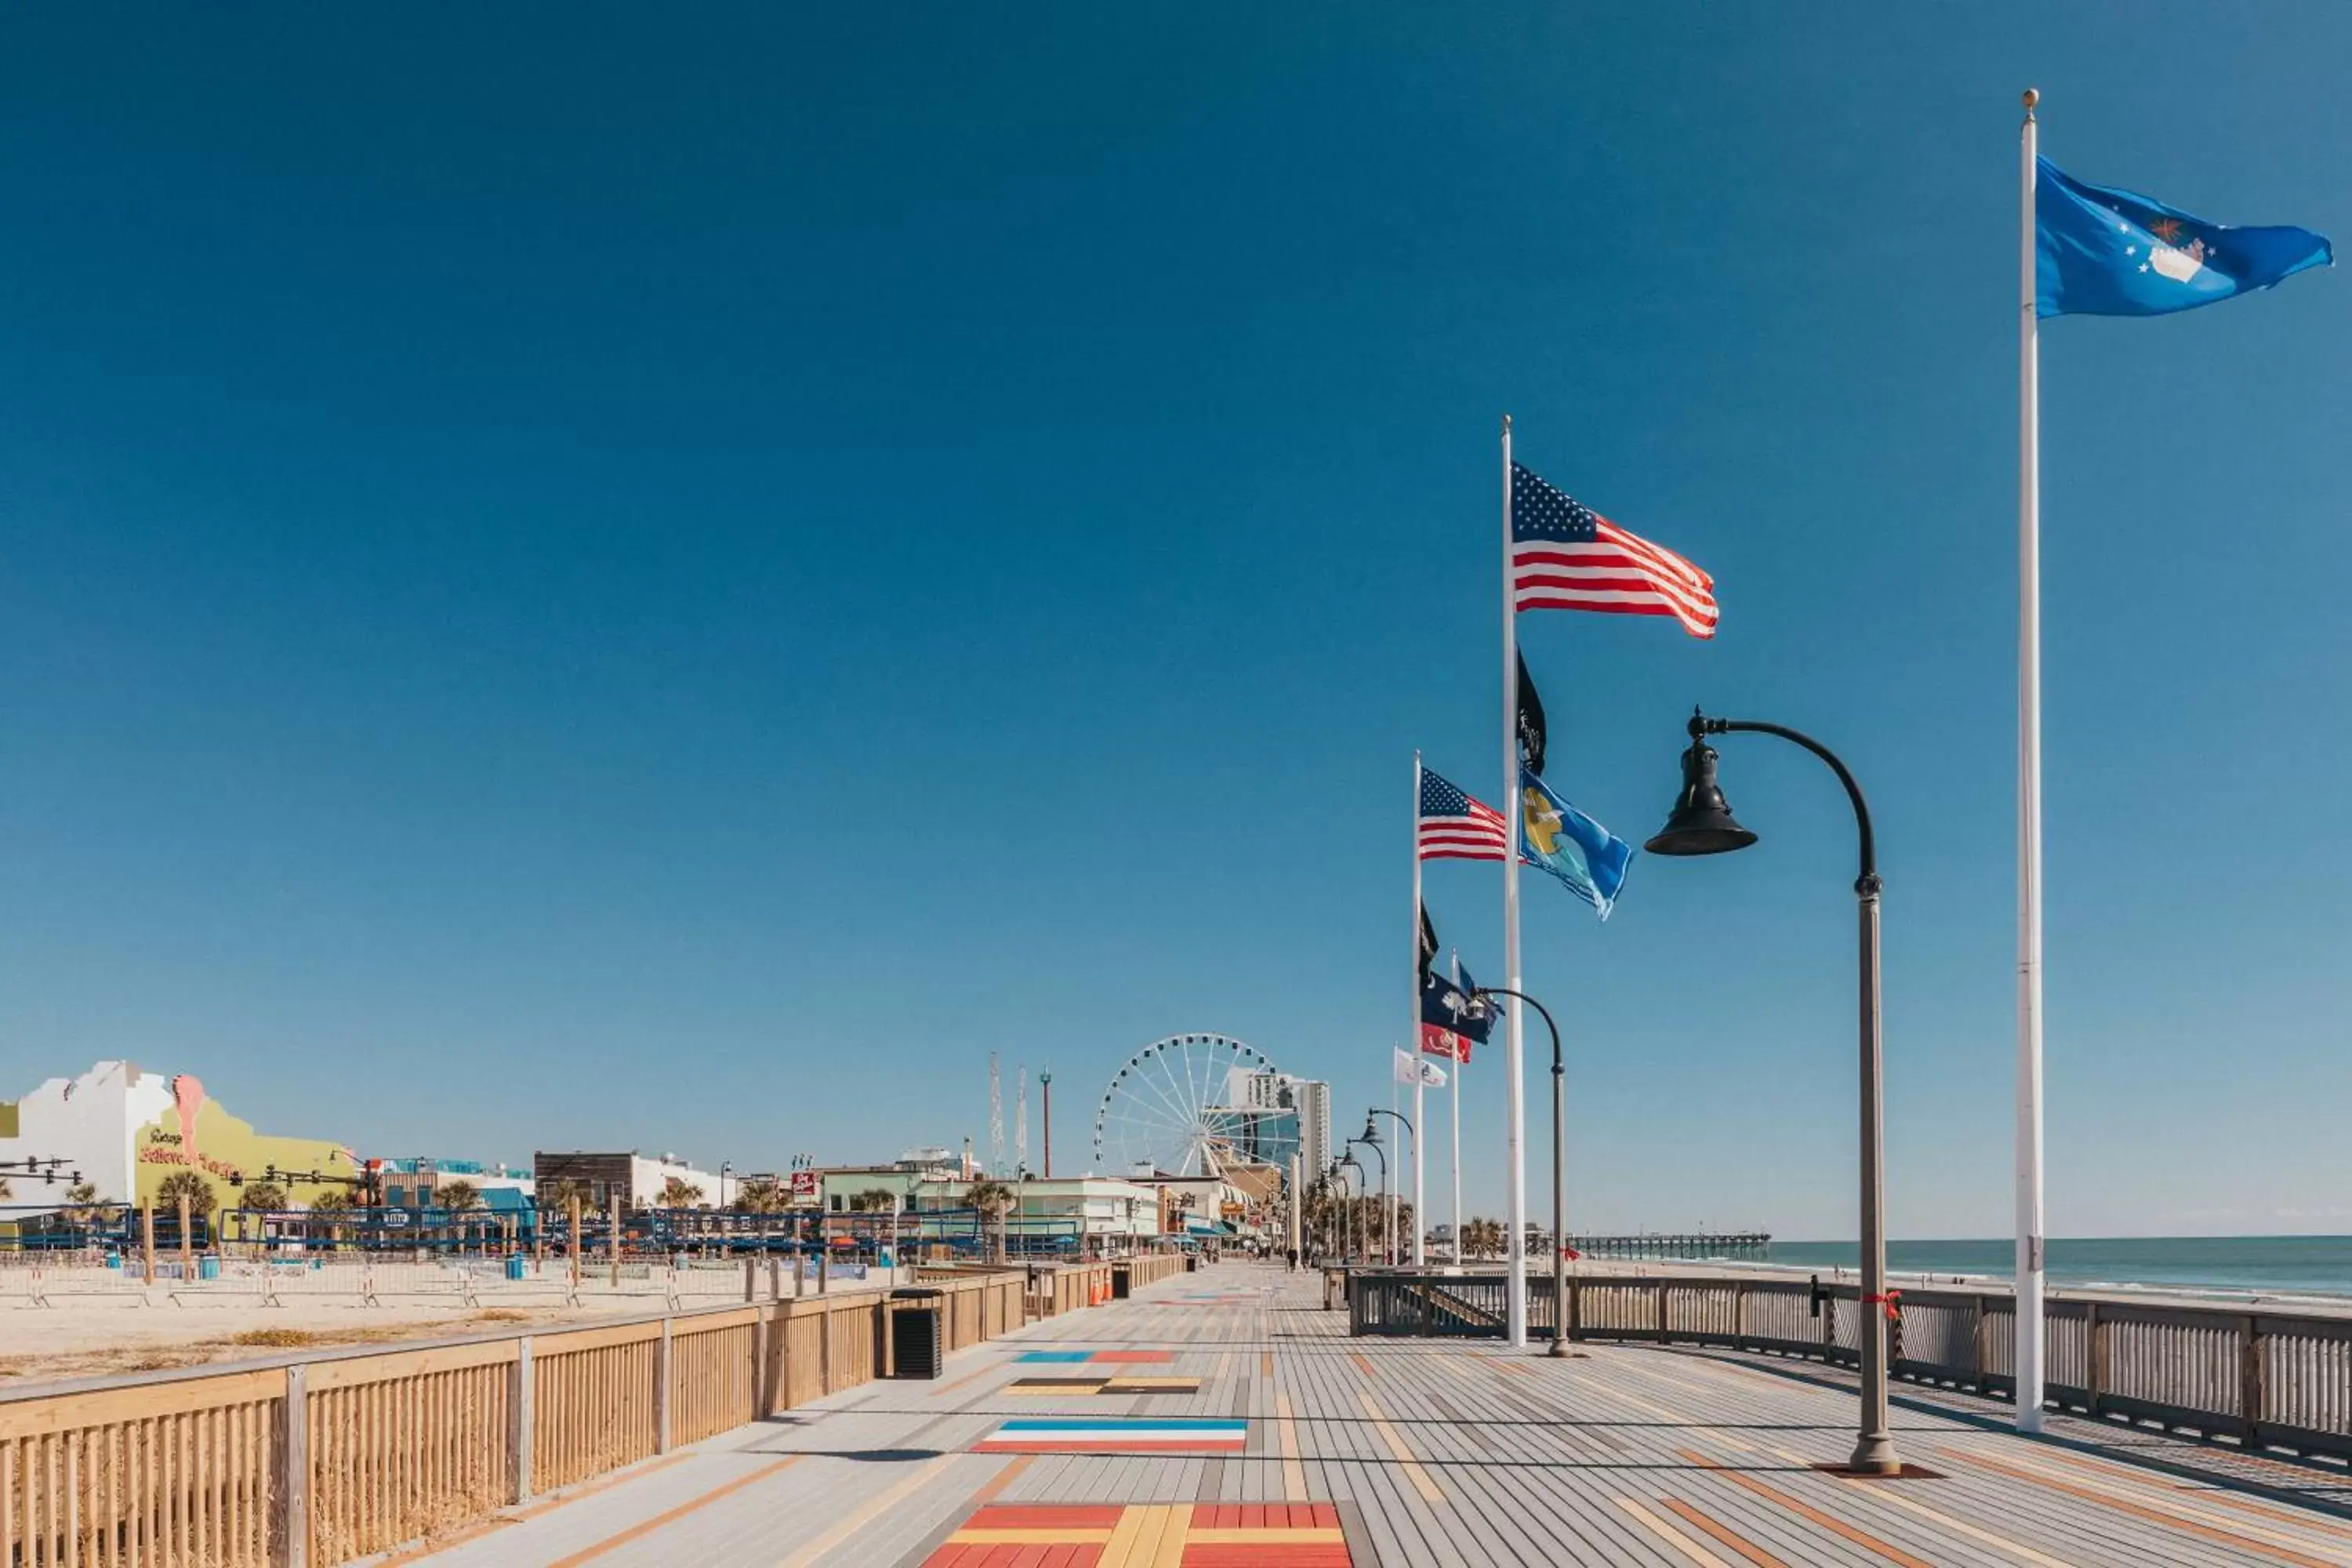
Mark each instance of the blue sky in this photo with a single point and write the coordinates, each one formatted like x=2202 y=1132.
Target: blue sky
x=574 y=579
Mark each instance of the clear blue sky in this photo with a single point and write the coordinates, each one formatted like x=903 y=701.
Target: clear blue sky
x=571 y=576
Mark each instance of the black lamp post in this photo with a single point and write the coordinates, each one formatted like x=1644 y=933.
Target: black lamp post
x=1702 y=824
x=1371 y=1139
x=1334 y=1187
x=1396 y=1251
x=1559 y=1169
x=1351 y=1214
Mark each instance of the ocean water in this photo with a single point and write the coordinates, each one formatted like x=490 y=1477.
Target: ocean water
x=2318 y=1266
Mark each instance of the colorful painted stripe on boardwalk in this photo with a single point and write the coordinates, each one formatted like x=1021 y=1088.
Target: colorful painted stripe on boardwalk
x=1052 y=1387
x=1218 y=1535
x=1129 y=1358
x=1112 y=1435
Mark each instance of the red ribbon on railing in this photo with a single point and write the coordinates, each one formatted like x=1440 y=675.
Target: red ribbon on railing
x=1893 y=1301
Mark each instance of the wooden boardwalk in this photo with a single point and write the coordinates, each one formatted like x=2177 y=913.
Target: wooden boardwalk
x=1295 y=1445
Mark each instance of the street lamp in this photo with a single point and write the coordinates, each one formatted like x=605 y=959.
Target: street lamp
x=1371 y=1139
x=1702 y=824
x=1396 y=1252
x=1352 y=1214
x=1558 y=1169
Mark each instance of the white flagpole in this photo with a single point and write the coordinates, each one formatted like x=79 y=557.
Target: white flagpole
x=1420 y=1214
x=1455 y=960
x=1515 y=1109
x=2030 y=1332
x=1420 y=1219
x=1393 y=1174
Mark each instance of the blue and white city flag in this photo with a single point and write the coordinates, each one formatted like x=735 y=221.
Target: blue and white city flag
x=1410 y=1069
x=2100 y=251
x=1555 y=837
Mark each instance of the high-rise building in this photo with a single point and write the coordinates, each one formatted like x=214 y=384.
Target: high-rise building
x=1314 y=1100
x=1283 y=1115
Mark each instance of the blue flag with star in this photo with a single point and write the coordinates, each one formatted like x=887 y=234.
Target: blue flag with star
x=1555 y=837
x=2099 y=251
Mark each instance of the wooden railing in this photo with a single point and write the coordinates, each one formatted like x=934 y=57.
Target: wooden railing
x=2266 y=1379
x=303 y=1462
x=1149 y=1267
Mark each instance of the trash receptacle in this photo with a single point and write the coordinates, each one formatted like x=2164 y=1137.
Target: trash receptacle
x=514 y=1266
x=1192 y=1263
x=1122 y=1281
x=918 y=1333
x=207 y=1266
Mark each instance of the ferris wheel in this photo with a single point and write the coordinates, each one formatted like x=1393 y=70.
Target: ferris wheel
x=1182 y=1107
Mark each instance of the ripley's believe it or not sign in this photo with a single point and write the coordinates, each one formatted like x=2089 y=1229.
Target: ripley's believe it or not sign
x=197 y=1134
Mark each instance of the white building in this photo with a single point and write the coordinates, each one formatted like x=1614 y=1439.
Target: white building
x=87 y=1123
x=637 y=1179
x=1313 y=1099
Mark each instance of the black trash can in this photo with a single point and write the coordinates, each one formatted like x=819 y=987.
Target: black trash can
x=918 y=1334
x=1122 y=1281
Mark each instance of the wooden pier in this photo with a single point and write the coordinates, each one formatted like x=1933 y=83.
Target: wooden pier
x=1697 y=1243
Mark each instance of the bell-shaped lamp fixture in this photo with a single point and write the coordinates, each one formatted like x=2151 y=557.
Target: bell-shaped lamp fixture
x=1702 y=823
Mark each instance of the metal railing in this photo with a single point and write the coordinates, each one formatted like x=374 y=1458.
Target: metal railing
x=2266 y=1379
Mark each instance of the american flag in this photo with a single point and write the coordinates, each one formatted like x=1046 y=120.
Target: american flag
x=1456 y=828
x=1566 y=556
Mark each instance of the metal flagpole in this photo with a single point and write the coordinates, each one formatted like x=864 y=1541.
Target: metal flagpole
x=1387 y=1188
x=1420 y=1214
x=1515 y=1109
x=2031 y=1332
x=1456 y=958
x=1419 y=1221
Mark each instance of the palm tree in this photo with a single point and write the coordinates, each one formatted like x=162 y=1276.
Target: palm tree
x=82 y=1209
x=761 y=1195
x=875 y=1199
x=459 y=1197
x=677 y=1193
x=993 y=1199
x=558 y=1194
x=262 y=1197
x=330 y=1205
x=193 y=1185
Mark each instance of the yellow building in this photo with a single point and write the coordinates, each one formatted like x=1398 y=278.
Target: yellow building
x=196 y=1133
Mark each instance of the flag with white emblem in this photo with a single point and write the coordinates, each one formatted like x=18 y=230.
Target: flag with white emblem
x=2100 y=251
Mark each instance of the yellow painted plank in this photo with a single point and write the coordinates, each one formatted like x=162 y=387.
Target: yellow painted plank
x=867 y=1513
x=1285 y=1432
x=1699 y=1556
x=1120 y=1552
x=1173 y=1534
x=1406 y=1459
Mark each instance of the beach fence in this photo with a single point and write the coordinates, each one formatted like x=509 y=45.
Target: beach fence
x=315 y=1459
x=2262 y=1379
x=389 y=1279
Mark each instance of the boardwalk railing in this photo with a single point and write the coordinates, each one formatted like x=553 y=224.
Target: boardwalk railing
x=2266 y=1379
x=308 y=1461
